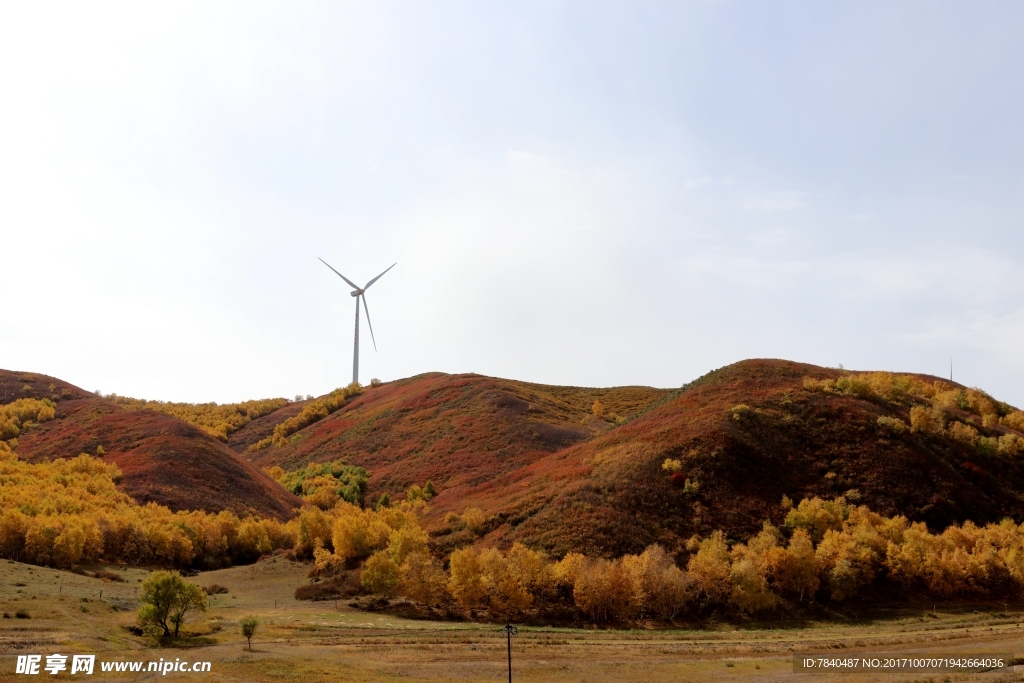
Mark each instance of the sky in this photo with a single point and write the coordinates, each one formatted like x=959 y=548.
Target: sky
x=583 y=193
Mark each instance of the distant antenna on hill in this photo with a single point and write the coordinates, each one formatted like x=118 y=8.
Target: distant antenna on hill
x=359 y=293
x=951 y=368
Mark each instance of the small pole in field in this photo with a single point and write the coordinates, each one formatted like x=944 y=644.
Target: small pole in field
x=510 y=631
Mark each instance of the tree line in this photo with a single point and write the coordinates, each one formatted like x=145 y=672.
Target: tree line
x=970 y=416
x=825 y=551
x=65 y=512
x=217 y=420
x=312 y=412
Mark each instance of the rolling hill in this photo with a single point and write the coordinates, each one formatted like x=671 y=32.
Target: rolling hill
x=458 y=431
x=162 y=459
x=548 y=467
x=546 y=471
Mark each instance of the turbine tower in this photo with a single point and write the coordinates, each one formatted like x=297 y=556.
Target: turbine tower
x=359 y=293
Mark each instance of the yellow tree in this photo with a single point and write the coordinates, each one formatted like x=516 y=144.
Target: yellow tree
x=711 y=568
x=466 y=580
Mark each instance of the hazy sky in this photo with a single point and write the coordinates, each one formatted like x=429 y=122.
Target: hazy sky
x=576 y=193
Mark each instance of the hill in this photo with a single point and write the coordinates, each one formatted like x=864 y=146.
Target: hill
x=459 y=431
x=606 y=471
x=162 y=459
x=745 y=436
x=547 y=471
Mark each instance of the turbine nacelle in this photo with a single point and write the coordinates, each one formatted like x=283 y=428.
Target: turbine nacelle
x=356 y=293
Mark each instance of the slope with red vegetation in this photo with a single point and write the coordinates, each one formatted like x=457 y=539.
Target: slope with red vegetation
x=15 y=385
x=748 y=434
x=162 y=458
x=547 y=471
x=457 y=430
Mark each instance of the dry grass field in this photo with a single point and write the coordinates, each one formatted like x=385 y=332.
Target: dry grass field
x=325 y=641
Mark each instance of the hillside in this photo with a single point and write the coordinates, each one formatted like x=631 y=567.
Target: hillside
x=750 y=433
x=162 y=459
x=546 y=469
x=458 y=431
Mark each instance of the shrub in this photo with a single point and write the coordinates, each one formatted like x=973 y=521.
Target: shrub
x=741 y=411
x=475 y=520
x=327 y=483
x=415 y=492
x=109 y=576
x=927 y=420
x=22 y=614
x=893 y=424
x=220 y=421
x=671 y=465
x=988 y=445
x=215 y=589
x=965 y=433
x=1014 y=420
x=324 y=590
x=1011 y=445
x=312 y=412
x=23 y=413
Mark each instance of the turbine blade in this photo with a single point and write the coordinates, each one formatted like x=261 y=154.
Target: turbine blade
x=339 y=274
x=367 y=309
x=379 y=276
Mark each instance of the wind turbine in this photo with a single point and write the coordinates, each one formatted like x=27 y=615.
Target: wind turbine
x=359 y=293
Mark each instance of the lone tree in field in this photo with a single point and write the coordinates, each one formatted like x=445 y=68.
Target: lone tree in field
x=166 y=598
x=249 y=625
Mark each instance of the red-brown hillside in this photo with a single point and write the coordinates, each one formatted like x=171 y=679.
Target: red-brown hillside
x=15 y=385
x=612 y=494
x=547 y=471
x=457 y=430
x=162 y=458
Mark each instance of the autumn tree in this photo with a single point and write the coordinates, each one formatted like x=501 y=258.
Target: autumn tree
x=166 y=598
x=248 y=626
x=711 y=568
x=603 y=590
x=422 y=579
x=466 y=581
x=380 y=574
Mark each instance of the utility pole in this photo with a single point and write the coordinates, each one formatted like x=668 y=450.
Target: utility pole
x=510 y=631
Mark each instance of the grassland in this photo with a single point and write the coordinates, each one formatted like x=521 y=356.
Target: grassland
x=325 y=641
